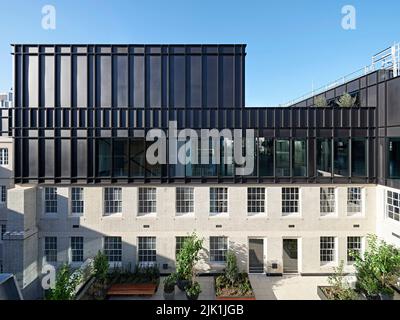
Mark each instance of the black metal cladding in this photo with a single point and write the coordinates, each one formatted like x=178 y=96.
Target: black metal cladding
x=71 y=100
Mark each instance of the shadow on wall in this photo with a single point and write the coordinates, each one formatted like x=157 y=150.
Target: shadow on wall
x=24 y=248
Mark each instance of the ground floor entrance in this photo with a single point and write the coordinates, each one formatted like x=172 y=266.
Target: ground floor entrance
x=256 y=255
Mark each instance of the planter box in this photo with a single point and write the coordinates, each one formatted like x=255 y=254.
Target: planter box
x=321 y=292
x=222 y=298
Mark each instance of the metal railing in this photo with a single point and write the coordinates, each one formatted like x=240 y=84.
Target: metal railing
x=387 y=59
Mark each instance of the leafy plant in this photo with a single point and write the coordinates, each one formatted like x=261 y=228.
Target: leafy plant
x=188 y=256
x=340 y=289
x=101 y=267
x=320 y=102
x=379 y=267
x=231 y=270
x=169 y=283
x=193 y=289
x=346 y=101
x=66 y=283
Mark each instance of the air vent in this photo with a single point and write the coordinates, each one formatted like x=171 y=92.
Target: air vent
x=291 y=225
x=146 y=226
x=218 y=226
x=75 y=226
x=356 y=225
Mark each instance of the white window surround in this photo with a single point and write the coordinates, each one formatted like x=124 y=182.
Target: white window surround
x=50 y=201
x=184 y=207
x=297 y=214
x=350 y=203
x=392 y=206
x=4 y=157
x=225 y=208
x=112 y=202
x=334 y=214
x=113 y=243
x=360 y=243
x=257 y=201
x=334 y=262
x=217 y=262
x=147 y=202
x=74 y=202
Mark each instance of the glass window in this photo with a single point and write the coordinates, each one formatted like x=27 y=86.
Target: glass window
x=179 y=244
x=77 y=200
x=255 y=200
x=290 y=201
x=3 y=198
x=358 y=157
x=394 y=158
x=3 y=156
x=2 y=231
x=184 y=200
x=354 y=199
x=227 y=164
x=218 y=249
x=147 y=250
x=327 y=201
x=341 y=157
x=147 y=201
x=77 y=249
x=218 y=200
x=327 y=251
x=50 y=249
x=113 y=249
x=353 y=246
x=393 y=205
x=136 y=157
x=266 y=156
x=103 y=157
x=112 y=200
x=120 y=158
x=50 y=199
x=300 y=158
x=324 y=157
x=282 y=158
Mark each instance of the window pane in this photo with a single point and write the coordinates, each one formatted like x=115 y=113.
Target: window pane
x=137 y=157
x=324 y=157
x=300 y=158
x=394 y=158
x=341 y=154
x=266 y=156
x=103 y=157
x=120 y=152
x=282 y=158
x=358 y=157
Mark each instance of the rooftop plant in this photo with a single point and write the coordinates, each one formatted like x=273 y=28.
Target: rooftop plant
x=346 y=101
x=320 y=102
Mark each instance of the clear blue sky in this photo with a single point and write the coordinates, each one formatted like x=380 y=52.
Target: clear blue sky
x=290 y=44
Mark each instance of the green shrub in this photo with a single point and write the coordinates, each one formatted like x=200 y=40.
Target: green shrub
x=346 y=101
x=100 y=267
x=169 y=283
x=320 y=102
x=340 y=289
x=66 y=283
x=193 y=289
x=231 y=270
x=188 y=257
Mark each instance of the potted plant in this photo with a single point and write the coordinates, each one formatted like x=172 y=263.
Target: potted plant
x=346 y=101
x=378 y=269
x=193 y=290
x=187 y=259
x=169 y=287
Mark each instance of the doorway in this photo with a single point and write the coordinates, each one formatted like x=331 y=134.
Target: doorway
x=256 y=255
x=290 y=256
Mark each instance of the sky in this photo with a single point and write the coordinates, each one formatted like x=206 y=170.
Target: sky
x=292 y=46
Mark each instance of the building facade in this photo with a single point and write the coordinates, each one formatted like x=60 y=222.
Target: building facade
x=324 y=177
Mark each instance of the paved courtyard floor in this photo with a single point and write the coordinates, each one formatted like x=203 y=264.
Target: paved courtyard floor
x=287 y=287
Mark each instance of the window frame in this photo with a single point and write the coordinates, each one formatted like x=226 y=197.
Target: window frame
x=147 y=206
x=335 y=202
x=149 y=252
x=292 y=213
x=50 y=200
x=212 y=261
x=253 y=204
x=77 y=251
x=115 y=251
x=4 y=156
x=187 y=203
x=334 y=254
x=112 y=207
x=350 y=203
x=351 y=260
x=72 y=200
x=395 y=203
x=217 y=199
x=50 y=250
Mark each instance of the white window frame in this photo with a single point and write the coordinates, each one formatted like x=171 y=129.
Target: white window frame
x=73 y=250
x=291 y=198
x=112 y=206
x=117 y=262
x=332 y=262
x=335 y=202
x=350 y=205
x=149 y=252
x=260 y=201
x=4 y=157
x=48 y=199
x=218 y=249
x=361 y=249
x=72 y=201
x=147 y=205
x=392 y=205
x=225 y=207
x=46 y=249
x=3 y=196
x=184 y=206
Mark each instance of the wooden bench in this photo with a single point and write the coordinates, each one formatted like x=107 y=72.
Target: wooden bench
x=132 y=289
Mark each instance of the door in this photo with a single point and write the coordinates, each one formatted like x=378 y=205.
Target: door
x=256 y=255
x=290 y=260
